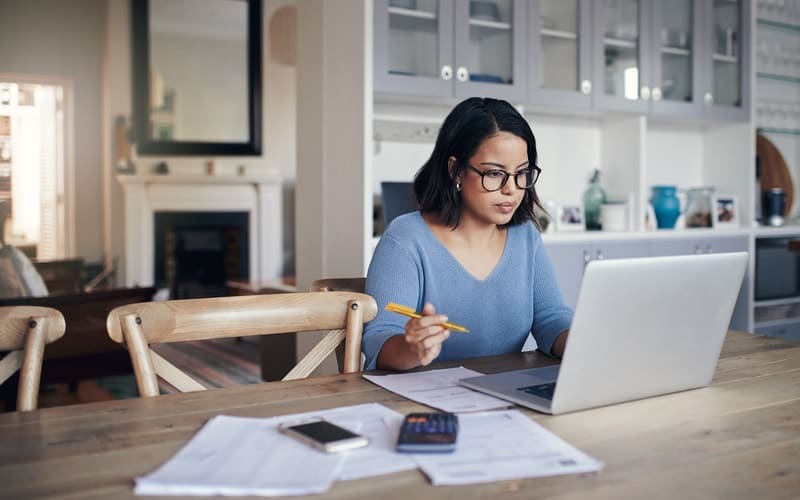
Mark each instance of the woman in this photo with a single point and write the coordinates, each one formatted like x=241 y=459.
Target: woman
x=473 y=252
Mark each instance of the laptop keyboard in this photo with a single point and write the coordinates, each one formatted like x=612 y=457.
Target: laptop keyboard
x=544 y=391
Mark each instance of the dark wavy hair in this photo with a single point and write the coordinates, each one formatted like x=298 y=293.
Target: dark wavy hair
x=463 y=131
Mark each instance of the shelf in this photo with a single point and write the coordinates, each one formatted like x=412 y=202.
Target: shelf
x=724 y=58
x=778 y=78
x=617 y=42
x=793 y=28
x=417 y=14
x=563 y=35
x=496 y=25
x=777 y=322
x=777 y=302
x=782 y=131
x=676 y=51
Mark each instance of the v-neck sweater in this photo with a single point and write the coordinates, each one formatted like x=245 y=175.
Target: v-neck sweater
x=520 y=295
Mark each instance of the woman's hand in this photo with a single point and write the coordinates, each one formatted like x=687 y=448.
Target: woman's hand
x=425 y=335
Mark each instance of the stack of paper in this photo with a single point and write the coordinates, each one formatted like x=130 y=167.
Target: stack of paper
x=248 y=456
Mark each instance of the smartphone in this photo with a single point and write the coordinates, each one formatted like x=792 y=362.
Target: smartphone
x=324 y=435
x=428 y=433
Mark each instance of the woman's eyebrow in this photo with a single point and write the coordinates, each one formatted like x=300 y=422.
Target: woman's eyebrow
x=501 y=166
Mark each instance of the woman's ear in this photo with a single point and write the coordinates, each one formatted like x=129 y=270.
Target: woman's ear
x=451 y=166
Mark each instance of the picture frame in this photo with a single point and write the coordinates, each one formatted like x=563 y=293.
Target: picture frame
x=570 y=218
x=725 y=211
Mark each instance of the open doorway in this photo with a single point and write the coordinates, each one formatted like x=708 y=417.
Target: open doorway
x=35 y=166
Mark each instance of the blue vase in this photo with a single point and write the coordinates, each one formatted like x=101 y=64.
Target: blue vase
x=666 y=206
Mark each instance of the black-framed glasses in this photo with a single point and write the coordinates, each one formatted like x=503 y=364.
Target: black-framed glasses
x=494 y=179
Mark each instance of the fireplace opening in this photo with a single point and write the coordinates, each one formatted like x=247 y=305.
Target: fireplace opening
x=196 y=253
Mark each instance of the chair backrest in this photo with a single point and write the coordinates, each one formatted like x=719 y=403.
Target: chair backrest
x=138 y=325
x=24 y=331
x=340 y=285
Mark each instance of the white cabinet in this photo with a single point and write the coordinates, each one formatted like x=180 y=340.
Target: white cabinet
x=712 y=244
x=570 y=258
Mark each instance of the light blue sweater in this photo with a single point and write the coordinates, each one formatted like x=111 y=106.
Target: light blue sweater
x=521 y=294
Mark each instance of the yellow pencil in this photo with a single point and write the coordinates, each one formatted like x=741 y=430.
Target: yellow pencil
x=411 y=313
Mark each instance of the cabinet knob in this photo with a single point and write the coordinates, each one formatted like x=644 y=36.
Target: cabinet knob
x=586 y=258
x=708 y=98
x=698 y=250
x=586 y=87
x=447 y=72
x=656 y=93
x=709 y=249
x=462 y=74
x=645 y=93
x=599 y=255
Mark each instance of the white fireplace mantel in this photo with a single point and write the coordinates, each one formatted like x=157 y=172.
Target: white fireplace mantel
x=258 y=195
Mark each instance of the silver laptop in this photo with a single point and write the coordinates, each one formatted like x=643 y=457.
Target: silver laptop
x=642 y=327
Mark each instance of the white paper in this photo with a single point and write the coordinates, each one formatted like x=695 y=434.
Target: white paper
x=242 y=456
x=248 y=456
x=502 y=445
x=439 y=389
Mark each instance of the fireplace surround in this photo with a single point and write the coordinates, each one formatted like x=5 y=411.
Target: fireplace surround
x=259 y=196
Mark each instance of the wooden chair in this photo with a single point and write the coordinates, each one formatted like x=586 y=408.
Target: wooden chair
x=24 y=331
x=339 y=285
x=138 y=325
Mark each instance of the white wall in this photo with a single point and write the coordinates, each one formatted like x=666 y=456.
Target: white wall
x=65 y=39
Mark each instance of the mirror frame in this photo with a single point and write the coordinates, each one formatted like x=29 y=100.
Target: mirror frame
x=145 y=145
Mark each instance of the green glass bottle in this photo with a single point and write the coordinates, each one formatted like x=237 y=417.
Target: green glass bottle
x=593 y=199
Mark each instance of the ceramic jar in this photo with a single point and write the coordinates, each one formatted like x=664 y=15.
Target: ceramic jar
x=666 y=205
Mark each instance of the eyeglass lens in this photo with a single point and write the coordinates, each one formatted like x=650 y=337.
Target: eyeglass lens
x=494 y=180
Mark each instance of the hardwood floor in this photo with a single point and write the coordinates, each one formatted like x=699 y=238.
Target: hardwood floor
x=214 y=363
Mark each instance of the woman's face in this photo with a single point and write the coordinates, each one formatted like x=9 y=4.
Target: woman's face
x=503 y=151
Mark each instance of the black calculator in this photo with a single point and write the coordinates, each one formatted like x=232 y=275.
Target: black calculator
x=428 y=433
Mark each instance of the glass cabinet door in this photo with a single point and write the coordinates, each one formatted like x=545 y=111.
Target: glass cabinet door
x=677 y=67
x=620 y=66
x=727 y=91
x=489 y=47
x=560 y=59
x=413 y=46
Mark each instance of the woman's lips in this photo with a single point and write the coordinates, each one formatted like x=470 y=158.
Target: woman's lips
x=506 y=208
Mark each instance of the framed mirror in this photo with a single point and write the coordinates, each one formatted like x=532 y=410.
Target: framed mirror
x=197 y=77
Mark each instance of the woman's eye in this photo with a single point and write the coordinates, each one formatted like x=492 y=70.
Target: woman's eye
x=494 y=174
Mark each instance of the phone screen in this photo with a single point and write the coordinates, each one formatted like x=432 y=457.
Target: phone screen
x=323 y=432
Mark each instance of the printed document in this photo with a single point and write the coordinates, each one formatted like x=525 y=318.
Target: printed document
x=248 y=456
x=439 y=389
x=501 y=445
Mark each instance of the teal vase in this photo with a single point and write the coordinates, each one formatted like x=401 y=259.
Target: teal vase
x=593 y=199
x=666 y=206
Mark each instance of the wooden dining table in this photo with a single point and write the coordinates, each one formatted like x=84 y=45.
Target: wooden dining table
x=737 y=438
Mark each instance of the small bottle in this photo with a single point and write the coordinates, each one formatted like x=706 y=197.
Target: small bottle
x=593 y=199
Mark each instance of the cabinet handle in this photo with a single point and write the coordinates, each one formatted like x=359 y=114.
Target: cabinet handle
x=709 y=249
x=462 y=74
x=599 y=255
x=708 y=98
x=586 y=87
x=447 y=72
x=645 y=93
x=656 y=93
x=698 y=250
x=586 y=259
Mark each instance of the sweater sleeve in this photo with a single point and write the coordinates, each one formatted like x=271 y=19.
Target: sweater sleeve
x=394 y=275
x=551 y=314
